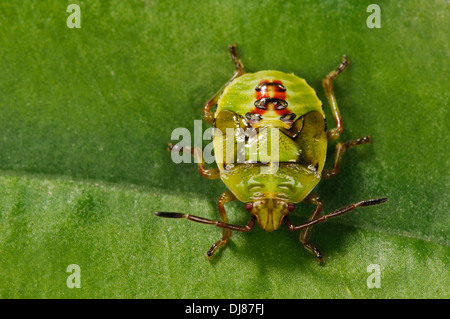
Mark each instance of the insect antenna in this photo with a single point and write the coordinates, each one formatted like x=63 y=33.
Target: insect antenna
x=336 y=213
x=206 y=221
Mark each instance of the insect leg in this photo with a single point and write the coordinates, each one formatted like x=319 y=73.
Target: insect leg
x=336 y=213
x=306 y=233
x=328 y=87
x=237 y=62
x=340 y=150
x=226 y=233
x=213 y=173
x=208 y=115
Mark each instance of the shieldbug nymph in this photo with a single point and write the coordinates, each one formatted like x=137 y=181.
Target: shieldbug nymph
x=258 y=102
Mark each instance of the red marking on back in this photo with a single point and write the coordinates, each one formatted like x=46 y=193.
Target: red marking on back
x=270 y=92
x=255 y=110
x=267 y=90
x=283 y=111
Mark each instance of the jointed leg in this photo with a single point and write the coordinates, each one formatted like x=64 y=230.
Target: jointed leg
x=323 y=218
x=213 y=173
x=334 y=133
x=226 y=233
x=208 y=115
x=238 y=64
x=340 y=150
x=305 y=235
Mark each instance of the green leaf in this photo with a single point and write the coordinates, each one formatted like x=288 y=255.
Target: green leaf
x=86 y=115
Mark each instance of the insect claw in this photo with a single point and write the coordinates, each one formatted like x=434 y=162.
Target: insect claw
x=319 y=256
x=320 y=260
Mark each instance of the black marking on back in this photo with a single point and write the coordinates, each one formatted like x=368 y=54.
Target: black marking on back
x=278 y=103
x=281 y=87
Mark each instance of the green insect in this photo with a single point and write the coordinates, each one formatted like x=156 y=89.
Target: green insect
x=258 y=103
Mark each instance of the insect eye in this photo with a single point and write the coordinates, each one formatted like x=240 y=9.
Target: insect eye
x=249 y=206
x=291 y=207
